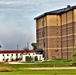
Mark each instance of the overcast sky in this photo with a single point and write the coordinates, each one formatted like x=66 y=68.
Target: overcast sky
x=17 y=24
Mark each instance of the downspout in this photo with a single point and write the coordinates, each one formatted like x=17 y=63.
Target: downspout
x=67 y=35
x=61 y=37
x=47 y=36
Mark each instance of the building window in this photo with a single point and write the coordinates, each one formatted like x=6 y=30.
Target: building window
x=53 y=57
x=7 y=54
x=56 y=50
x=3 y=54
x=58 y=54
x=42 y=34
x=57 y=37
x=42 y=22
x=7 y=58
x=57 y=46
x=16 y=54
x=57 y=42
x=57 y=28
x=44 y=44
x=12 y=55
x=57 y=32
x=20 y=54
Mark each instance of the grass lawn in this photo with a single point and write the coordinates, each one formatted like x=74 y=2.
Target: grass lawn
x=41 y=72
x=21 y=69
x=57 y=63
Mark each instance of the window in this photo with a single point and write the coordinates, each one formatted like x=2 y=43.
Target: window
x=7 y=58
x=57 y=46
x=44 y=44
x=57 y=28
x=56 y=50
x=16 y=54
x=53 y=57
x=12 y=55
x=57 y=32
x=57 y=41
x=42 y=34
x=20 y=54
x=42 y=22
x=3 y=54
x=58 y=54
x=7 y=54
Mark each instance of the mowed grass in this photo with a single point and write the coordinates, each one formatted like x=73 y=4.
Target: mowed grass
x=41 y=72
x=54 y=63
x=21 y=69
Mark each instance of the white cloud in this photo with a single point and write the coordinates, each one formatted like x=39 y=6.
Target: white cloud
x=16 y=19
x=11 y=2
x=16 y=2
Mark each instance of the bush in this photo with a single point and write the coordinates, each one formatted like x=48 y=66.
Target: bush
x=6 y=69
x=36 y=58
x=29 y=59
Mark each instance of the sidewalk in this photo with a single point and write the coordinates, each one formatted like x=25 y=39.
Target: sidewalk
x=52 y=68
x=15 y=63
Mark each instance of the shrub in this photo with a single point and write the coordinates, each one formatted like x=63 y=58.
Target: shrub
x=6 y=69
x=29 y=59
x=36 y=58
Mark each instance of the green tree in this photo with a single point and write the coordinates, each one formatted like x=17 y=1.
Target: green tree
x=34 y=45
x=74 y=56
x=29 y=59
x=36 y=58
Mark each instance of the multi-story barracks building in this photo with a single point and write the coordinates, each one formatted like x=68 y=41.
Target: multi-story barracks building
x=56 y=32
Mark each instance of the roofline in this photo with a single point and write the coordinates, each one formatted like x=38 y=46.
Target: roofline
x=51 y=13
x=16 y=51
x=47 y=13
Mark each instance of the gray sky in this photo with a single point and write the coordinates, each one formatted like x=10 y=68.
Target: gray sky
x=17 y=24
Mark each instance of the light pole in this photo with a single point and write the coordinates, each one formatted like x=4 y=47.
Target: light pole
x=0 y=47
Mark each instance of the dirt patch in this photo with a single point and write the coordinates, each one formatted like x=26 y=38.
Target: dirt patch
x=6 y=69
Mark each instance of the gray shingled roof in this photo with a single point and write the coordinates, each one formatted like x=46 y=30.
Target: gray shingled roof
x=59 y=11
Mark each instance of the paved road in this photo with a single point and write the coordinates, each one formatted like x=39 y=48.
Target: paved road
x=52 y=68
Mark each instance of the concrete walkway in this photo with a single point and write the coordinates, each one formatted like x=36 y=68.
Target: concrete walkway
x=15 y=63
x=52 y=68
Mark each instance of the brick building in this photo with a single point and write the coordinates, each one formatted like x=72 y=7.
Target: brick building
x=56 y=32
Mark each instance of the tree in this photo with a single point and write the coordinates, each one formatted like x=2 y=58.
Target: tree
x=74 y=59
x=34 y=45
x=36 y=58
x=29 y=59
x=74 y=56
x=26 y=49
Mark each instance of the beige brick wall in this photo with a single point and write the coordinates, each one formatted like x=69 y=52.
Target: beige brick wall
x=74 y=15
x=51 y=20
x=50 y=33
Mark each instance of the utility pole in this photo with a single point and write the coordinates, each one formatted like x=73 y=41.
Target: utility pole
x=27 y=45
x=0 y=47
x=17 y=47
